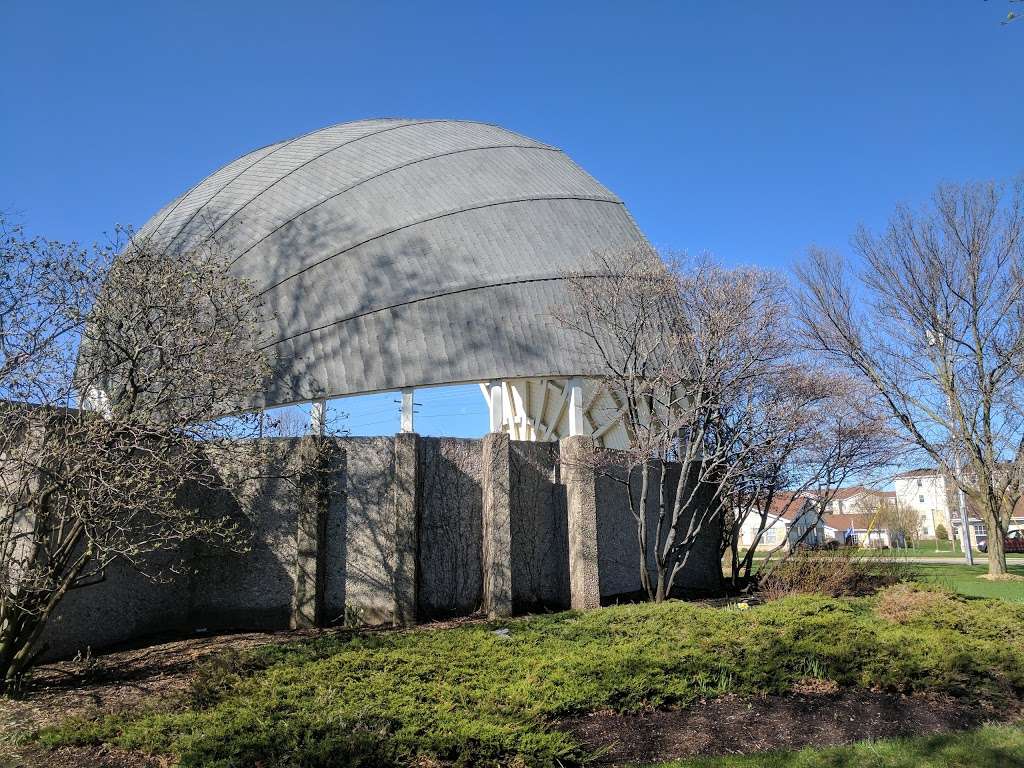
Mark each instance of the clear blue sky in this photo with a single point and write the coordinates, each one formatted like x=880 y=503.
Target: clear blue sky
x=749 y=129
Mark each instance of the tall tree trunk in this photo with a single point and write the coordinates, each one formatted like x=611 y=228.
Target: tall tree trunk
x=641 y=528
x=659 y=593
x=996 y=549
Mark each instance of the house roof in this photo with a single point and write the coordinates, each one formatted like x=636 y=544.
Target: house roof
x=920 y=472
x=788 y=505
x=404 y=252
x=859 y=522
x=842 y=494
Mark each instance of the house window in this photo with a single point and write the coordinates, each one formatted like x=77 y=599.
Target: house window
x=979 y=530
x=920 y=498
x=919 y=483
x=771 y=536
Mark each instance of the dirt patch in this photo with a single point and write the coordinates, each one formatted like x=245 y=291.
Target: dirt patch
x=905 y=602
x=119 y=680
x=742 y=725
x=77 y=757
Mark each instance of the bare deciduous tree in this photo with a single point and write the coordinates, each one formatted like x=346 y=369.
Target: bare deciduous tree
x=934 y=323
x=166 y=348
x=902 y=522
x=702 y=362
x=825 y=433
x=622 y=307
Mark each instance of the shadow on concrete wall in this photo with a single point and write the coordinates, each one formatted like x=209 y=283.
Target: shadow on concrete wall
x=450 y=572
x=359 y=545
x=539 y=528
x=253 y=590
x=620 y=550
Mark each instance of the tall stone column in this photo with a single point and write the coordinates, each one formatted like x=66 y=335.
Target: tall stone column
x=580 y=480
x=313 y=501
x=406 y=508
x=497 y=532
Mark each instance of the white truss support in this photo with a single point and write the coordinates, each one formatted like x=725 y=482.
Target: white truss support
x=509 y=420
x=545 y=385
x=546 y=409
x=492 y=391
x=408 y=405
x=576 y=418
x=318 y=418
x=527 y=421
x=559 y=410
x=611 y=424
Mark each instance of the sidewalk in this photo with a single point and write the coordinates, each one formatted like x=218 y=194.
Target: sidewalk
x=979 y=559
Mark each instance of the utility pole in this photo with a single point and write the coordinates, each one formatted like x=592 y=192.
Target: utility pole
x=964 y=527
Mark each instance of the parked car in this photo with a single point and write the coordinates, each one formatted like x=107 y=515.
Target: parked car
x=1014 y=542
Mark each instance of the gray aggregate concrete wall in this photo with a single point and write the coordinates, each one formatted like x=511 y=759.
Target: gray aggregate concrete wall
x=450 y=537
x=620 y=551
x=540 y=549
x=213 y=590
x=328 y=555
x=360 y=533
x=126 y=605
x=255 y=589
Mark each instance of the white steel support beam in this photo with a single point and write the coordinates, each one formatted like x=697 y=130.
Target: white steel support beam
x=563 y=399
x=407 y=410
x=318 y=418
x=495 y=405
x=561 y=408
x=576 y=421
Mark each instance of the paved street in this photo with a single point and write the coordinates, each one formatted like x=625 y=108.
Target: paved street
x=979 y=559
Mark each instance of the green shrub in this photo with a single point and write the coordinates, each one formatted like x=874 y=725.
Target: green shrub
x=467 y=696
x=834 y=573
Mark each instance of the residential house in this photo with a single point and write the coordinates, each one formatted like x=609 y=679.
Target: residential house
x=924 y=490
x=791 y=519
x=858 y=499
x=927 y=492
x=853 y=517
x=859 y=529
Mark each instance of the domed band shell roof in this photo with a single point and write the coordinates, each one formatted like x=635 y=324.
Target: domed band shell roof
x=397 y=253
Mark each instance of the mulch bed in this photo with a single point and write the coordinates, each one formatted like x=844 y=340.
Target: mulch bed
x=741 y=725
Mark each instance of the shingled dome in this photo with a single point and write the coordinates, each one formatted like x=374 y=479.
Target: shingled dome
x=403 y=253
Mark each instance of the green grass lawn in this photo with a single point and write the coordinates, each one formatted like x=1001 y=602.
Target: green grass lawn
x=921 y=549
x=966 y=580
x=991 y=747
x=474 y=697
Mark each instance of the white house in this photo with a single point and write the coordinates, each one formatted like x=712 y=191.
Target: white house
x=924 y=491
x=857 y=530
x=788 y=519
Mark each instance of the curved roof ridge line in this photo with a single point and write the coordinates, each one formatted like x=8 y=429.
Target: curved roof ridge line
x=313 y=159
x=293 y=139
x=181 y=229
x=196 y=186
x=199 y=183
x=297 y=216
x=452 y=212
x=441 y=295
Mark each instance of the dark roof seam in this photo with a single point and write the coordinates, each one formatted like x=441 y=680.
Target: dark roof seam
x=199 y=183
x=443 y=294
x=456 y=212
x=252 y=165
x=349 y=188
x=303 y=165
